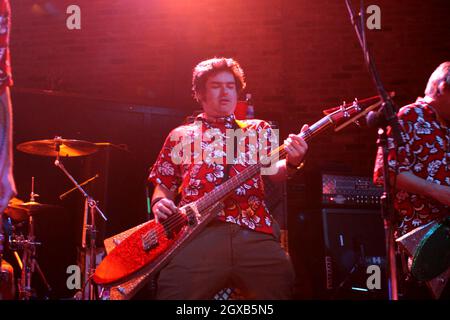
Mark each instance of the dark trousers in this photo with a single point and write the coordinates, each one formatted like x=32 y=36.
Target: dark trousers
x=224 y=255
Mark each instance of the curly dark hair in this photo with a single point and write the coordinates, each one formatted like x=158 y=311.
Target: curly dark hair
x=206 y=68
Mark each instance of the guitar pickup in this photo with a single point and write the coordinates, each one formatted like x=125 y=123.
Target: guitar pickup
x=150 y=240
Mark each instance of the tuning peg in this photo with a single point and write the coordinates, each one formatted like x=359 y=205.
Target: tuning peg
x=344 y=110
x=358 y=123
x=356 y=105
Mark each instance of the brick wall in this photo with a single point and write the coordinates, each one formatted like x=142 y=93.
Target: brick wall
x=299 y=56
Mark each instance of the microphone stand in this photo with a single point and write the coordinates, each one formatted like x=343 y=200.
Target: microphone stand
x=358 y=264
x=90 y=229
x=388 y=119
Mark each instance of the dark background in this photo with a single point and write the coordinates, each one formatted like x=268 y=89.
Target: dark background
x=125 y=78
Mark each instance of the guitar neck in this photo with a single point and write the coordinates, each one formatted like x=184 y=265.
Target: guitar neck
x=222 y=191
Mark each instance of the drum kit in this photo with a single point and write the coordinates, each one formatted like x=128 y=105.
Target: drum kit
x=22 y=213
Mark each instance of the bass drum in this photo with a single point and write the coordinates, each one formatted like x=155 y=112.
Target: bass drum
x=433 y=253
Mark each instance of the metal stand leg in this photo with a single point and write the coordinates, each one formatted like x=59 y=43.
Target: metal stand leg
x=29 y=264
x=88 y=229
x=89 y=253
x=41 y=274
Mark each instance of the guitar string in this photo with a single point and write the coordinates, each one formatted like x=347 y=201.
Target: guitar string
x=177 y=220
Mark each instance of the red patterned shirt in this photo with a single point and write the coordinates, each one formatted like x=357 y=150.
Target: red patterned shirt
x=245 y=206
x=426 y=154
x=5 y=26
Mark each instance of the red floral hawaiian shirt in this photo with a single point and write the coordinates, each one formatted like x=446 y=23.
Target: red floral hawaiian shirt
x=427 y=155
x=5 y=24
x=207 y=167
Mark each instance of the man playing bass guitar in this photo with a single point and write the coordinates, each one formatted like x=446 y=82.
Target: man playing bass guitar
x=240 y=247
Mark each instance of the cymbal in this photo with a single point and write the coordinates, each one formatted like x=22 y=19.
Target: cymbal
x=34 y=206
x=20 y=211
x=67 y=147
x=121 y=147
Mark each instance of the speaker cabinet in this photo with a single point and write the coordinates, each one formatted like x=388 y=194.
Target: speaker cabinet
x=354 y=240
x=276 y=201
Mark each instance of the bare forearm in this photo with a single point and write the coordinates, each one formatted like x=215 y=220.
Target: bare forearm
x=162 y=203
x=411 y=183
x=162 y=192
x=283 y=172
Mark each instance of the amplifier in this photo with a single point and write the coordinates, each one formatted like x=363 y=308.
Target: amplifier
x=349 y=191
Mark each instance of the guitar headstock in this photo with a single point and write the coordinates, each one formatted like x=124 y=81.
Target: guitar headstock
x=348 y=113
x=342 y=116
x=345 y=113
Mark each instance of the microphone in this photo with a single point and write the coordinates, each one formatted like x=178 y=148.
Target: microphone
x=375 y=119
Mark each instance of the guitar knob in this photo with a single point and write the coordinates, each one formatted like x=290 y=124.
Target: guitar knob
x=344 y=110
x=356 y=105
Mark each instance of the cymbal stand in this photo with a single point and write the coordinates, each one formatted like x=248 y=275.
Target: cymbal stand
x=29 y=262
x=89 y=231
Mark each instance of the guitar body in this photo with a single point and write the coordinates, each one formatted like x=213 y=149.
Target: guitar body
x=127 y=289
x=130 y=255
x=149 y=247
